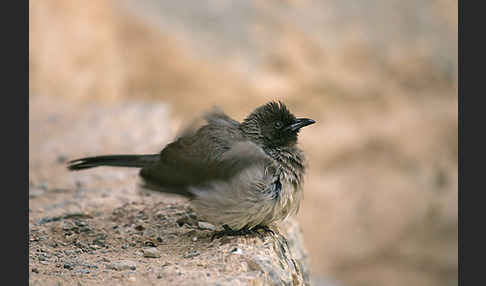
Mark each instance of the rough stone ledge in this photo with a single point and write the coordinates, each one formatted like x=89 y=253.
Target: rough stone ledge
x=140 y=242
x=94 y=227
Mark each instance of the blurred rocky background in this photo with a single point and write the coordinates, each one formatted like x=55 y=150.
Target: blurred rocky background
x=379 y=77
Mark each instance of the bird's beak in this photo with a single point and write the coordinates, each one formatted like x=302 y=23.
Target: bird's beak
x=299 y=123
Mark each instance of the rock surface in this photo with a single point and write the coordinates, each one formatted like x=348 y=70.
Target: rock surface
x=96 y=227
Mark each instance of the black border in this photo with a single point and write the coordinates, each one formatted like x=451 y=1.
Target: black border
x=15 y=141
x=471 y=238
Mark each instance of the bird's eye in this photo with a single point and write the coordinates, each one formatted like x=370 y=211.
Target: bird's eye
x=278 y=124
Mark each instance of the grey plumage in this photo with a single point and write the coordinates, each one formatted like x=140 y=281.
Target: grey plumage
x=241 y=175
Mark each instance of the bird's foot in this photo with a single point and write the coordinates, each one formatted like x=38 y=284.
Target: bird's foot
x=266 y=229
x=243 y=232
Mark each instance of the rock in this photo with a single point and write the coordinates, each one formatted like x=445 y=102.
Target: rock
x=151 y=252
x=206 y=225
x=89 y=266
x=82 y=271
x=237 y=250
x=186 y=220
x=69 y=266
x=191 y=254
x=122 y=265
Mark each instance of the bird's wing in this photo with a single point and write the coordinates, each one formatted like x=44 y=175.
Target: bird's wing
x=200 y=158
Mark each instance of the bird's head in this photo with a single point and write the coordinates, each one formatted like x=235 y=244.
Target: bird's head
x=272 y=125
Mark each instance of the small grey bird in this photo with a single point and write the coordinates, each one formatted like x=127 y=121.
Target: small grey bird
x=241 y=176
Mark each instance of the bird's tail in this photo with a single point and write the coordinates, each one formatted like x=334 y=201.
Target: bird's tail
x=134 y=161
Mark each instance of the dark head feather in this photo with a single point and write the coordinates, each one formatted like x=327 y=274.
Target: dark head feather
x=268 y=125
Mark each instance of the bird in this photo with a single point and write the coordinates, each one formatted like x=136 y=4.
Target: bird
x=241 y=176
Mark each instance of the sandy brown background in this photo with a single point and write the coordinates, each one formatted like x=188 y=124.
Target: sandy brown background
x=379 y=77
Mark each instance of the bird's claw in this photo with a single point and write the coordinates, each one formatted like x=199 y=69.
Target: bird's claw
x=244 y=231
